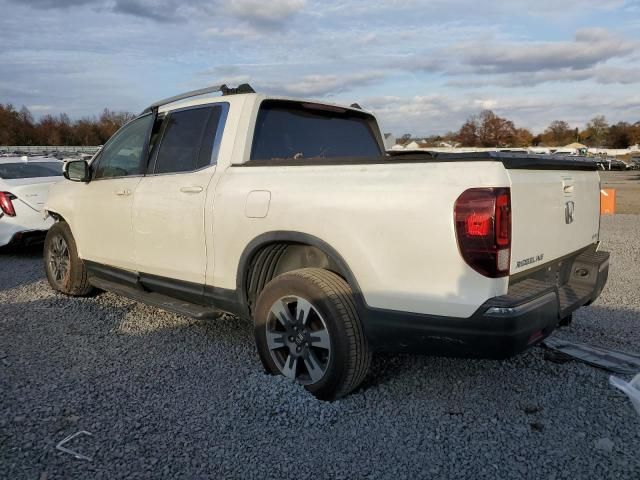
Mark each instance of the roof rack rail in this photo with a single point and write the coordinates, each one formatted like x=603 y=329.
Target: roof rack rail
x=243 y=88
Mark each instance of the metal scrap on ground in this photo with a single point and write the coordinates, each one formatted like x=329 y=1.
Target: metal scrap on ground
x=612 y=360
x=77 y=455
x=632 y=389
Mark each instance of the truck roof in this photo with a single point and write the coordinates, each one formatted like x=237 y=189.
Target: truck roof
x=225 y=93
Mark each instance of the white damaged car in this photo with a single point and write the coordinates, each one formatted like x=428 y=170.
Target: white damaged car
x=24 y=187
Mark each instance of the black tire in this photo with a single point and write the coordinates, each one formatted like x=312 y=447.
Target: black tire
x=73 y=281
x=332 y=307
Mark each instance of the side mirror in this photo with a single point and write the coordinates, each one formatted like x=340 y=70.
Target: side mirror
x=77 y=171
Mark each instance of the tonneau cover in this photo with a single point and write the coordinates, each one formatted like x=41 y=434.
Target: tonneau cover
x=511 y=160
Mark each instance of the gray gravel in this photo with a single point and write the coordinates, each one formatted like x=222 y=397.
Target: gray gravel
x=170 y=397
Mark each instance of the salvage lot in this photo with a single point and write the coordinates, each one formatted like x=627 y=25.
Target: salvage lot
x=166 y=396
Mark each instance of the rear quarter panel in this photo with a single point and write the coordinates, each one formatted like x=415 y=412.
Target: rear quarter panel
x=391 y=223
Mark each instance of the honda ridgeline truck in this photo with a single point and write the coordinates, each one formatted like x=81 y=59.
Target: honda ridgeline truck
x=290 y=213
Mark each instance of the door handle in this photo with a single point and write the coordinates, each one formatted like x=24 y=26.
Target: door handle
x=123 y=193
x=191 y=189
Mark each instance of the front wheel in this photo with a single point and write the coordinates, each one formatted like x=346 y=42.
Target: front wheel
x=307 y=328
x=65 y=270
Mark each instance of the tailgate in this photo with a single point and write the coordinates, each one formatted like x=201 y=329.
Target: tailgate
x=554 y=213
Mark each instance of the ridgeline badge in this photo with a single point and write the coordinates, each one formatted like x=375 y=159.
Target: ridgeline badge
x=529 y=261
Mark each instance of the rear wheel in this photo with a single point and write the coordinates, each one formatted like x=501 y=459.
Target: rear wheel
x=65 y=270
x=307 y=328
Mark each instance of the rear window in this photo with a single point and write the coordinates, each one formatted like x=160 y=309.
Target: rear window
x=292 y=130
x=13 y=171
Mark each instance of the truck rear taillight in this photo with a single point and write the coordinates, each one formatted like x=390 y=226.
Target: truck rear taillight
x=483 y=229
x=6 y=204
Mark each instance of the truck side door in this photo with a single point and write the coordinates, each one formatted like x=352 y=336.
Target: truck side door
x=169 y=203
x=102 y=211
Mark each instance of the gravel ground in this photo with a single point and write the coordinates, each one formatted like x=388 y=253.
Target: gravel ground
x=170 y=397
x=627 y=186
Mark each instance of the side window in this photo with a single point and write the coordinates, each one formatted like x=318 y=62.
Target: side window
x=122 y=154
x=191 y=139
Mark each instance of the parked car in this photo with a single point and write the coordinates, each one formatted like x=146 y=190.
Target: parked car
x=290 y=213
x=24 y=185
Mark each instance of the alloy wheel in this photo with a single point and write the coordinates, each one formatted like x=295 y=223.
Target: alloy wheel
x=298 y=340
x=59 y=259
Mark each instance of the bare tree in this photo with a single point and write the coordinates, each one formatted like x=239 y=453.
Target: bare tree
x=597 y=131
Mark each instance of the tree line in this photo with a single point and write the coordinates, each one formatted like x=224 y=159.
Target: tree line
x=18 y=127
x=487 y=129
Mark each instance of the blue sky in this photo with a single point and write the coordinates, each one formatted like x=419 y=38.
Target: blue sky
x=422 y=66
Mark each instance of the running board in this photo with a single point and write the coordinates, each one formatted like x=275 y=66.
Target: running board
x=157 y=300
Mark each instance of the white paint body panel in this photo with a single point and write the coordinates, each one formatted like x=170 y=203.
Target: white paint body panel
x=31 y=196
x=100 y=218
x=538 y=201
x=168 y=225
x=392 y=223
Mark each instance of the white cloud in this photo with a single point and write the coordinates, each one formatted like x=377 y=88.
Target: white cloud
x=40 y=108
x=244 y=32
x=591 y=46
x=265 y=13
x=323 y=85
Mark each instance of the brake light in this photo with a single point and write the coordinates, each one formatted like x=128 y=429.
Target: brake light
x=6 y=204
x=483 y=230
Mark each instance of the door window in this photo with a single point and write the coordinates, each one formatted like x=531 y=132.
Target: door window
x=191 y=139
x=122 y=155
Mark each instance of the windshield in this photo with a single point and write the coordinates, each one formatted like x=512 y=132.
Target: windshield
x=12 y=171
x=286 y=129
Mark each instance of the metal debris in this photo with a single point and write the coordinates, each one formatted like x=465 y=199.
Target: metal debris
x=612 y=360
x=77 y=455
x=632 y=389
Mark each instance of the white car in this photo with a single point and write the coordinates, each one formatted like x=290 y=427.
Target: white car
x=289 y=212
x=24 y=186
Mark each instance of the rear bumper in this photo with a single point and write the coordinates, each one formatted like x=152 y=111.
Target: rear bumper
x=503 y=326
x=23 y=238
x=26 y=228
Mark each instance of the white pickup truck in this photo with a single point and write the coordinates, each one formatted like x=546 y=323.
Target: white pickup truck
x=289 y=212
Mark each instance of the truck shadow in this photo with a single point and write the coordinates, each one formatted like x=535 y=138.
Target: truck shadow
x=106 y=332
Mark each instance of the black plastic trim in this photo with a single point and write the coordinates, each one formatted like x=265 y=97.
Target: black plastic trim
x=26 y=238
x=224 y=89
x=292 y=237
x=196 y=294
x=527 y=314
x=112 y=274
x=187 y=291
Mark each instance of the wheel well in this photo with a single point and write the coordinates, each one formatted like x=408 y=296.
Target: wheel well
x=277 y=258
x=56 y=216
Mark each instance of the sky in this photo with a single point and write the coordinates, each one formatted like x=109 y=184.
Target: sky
x=422 y=67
